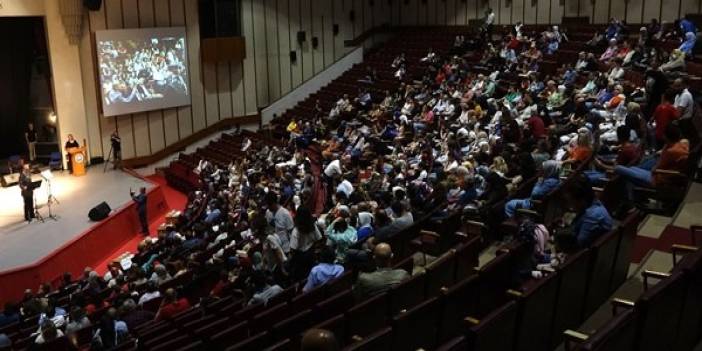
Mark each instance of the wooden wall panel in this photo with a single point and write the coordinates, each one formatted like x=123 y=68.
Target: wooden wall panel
x=689 y=6
x=317 y=13
x=634 y=11
x=652 y=9
x=224 y=86
x=169 y=117
x=441 y=13
x=296 y=68
x=237 y=81
x=518 y=11
x=556 y=10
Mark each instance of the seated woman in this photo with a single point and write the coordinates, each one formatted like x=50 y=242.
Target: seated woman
x=582 y=150
x=673 y=158
x=548 y=182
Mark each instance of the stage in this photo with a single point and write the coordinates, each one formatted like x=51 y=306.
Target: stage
x=31 y=253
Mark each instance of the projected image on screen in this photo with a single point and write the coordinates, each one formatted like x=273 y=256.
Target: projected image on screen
x=141 y=70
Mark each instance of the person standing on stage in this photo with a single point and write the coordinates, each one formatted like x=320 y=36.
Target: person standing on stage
x=70 y=143
x=140 y=200
x=116 y=149
x=30 y=136
x=25 y=183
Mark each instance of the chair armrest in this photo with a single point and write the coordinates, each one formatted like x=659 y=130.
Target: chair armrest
x=471 y=321
x=677 y=249
x=621 y=303
x=668 y=172
x=652 y=274
x=694 y=229
x=525 y=211
x=514 y=293
x=572 y=336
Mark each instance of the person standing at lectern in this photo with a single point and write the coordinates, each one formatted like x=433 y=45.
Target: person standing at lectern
x=70 y=143
x=140 y=200
x=30 y=136
x=25 y=183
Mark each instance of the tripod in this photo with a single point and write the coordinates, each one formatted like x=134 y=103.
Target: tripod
x=50 y=200
x=107 y=161
x=37 y=214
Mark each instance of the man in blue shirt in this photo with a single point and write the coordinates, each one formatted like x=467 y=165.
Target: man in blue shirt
x=325 y=271
x=548 y=182
x=593 y=219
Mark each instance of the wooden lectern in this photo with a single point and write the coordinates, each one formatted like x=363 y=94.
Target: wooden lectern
x=78 y=160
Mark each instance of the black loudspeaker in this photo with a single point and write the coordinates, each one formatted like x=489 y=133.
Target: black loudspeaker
x=99 y=212
x=293 y=56
x=219 y=18
x=315 y=42
x=92 y=5
x=352 y=15
x=335 y=29
x=301 y=36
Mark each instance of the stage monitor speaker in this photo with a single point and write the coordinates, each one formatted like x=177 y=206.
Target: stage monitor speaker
x=315 y=42
x=99 y=212
x=92 y=5
x=293 y=56
x=335 y=29
x=219 y=18
x=8 y=180
x=301 y=36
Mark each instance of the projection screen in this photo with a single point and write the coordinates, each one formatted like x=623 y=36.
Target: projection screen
x=142 y=69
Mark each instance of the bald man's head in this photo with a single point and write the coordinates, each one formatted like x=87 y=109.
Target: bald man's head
x=319 y=340
x=382 y=255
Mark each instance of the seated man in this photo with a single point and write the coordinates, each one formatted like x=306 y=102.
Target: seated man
x=384 y=278
x=325 y=271
x=628 y=153
x=673 y=158
x=592 y=218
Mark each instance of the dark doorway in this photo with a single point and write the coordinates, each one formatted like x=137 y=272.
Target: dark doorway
x=25 y=88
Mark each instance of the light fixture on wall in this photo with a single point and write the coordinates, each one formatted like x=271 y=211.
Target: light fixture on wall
x=52 y=117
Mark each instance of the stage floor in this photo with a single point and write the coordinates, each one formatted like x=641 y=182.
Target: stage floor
x=23 y=243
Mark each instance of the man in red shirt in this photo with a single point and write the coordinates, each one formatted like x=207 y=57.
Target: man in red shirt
x=171 y=305
x=536 y=126
x=664 y=113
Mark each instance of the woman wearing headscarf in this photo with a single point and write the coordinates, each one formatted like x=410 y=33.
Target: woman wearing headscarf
x=548 y=182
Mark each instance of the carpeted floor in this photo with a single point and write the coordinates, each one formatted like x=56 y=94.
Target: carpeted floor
x=175 y=200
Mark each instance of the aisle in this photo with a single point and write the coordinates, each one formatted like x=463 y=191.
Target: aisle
x=175 y=200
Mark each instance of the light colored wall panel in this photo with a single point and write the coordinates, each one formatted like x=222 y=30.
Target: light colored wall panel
x=284 y=44
x=542 y=15
x=272 y=49
x=430 y=8
x=557 y=11
x=504 y=11
x=410 y=13
x=224 y=96
x=154 y=139
x=531 y=11
x=601 y=10
x=689 y=7
x=296 y=68
x=260 y=55
x=441 y=18
x=209 y=80
x=652 y=9
x=197 y=95
x=249 y=63
x=238 y=100
x=318 y=17
x=96 y=123
x=185 y=115
x=328 y=28
x=518 y=11
x=634 y=11
x=306 y=47
x=670 y=10
x=339 y=18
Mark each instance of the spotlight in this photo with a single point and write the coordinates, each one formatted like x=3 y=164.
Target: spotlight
x=52 y=117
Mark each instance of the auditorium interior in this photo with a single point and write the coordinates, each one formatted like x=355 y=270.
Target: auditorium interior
x=324 y=175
